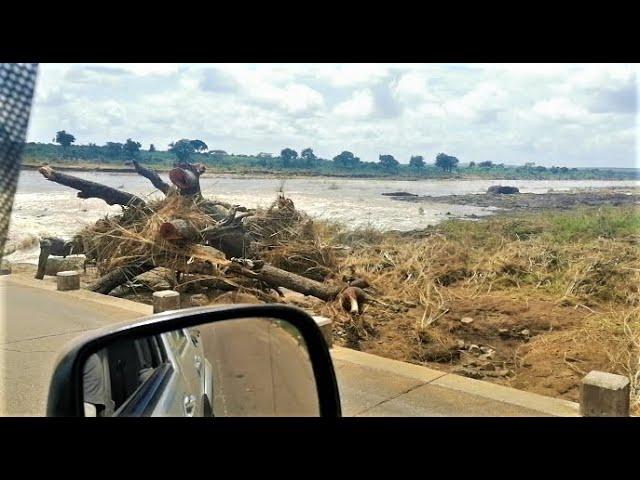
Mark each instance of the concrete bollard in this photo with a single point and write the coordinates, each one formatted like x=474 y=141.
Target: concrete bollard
x=166 y=300
x=326 y=326
x=604 y=395
x=68 y=280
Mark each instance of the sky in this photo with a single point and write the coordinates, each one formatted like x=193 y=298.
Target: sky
x=551 y=114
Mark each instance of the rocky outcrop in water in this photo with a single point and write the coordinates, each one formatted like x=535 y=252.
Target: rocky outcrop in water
x=502 y=190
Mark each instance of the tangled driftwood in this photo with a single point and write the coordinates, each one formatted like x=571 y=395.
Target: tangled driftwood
x=218 y=243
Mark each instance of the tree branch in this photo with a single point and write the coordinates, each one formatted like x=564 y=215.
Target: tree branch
x=88 y=189
x=152 y=176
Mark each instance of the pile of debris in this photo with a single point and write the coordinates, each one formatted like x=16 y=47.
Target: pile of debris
x=203 y=246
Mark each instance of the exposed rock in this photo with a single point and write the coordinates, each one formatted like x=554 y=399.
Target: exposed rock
x=236 y=297
x=198 y=300
x=468 y=372
x=5 y=267
x=157 y=279
x=525 y=332
x=62 y=264
x=503 y=190
x=474 y=349
x=466 y=320
x=460 y=343
x=503 y=372
x=399 y=194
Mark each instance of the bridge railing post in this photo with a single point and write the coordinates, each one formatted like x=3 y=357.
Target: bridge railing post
x=604 y=395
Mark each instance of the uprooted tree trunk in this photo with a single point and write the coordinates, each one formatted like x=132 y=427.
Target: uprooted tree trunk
x=186 y=176
x=153 y=177
x=89 y=189
x=117 y=277
x=192 y=249
x=276 y=277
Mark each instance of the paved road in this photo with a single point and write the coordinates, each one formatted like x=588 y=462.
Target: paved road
x=36 y=324
x=38 y=321
x=260 y=369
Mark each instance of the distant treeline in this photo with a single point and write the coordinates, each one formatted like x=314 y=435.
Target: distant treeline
x=115 y=154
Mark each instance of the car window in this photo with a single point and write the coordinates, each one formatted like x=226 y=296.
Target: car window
x=130 y=364
x=177 y=340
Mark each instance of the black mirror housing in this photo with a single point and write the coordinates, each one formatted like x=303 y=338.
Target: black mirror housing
x=65 y=397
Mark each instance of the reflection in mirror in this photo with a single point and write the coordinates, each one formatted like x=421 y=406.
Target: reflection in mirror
x=234 y=368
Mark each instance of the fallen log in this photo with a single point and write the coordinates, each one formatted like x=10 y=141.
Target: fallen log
x=117 y=277
x=276 y=277
x=179 y=229
x=89 y=189
x=152 y=176
x=208 y=281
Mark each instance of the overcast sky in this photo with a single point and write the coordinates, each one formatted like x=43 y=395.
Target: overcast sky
x=552 y=114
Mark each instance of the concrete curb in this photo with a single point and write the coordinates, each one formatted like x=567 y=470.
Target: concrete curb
x=83 y=294
x=540 y=403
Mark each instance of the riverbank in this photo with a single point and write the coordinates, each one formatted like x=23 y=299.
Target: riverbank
x=616 y=196
x=532 y=300
x=509 y=173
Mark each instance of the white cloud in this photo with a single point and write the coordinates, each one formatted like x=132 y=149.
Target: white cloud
x=549 y=113
x=360 y=105
x=560 y=109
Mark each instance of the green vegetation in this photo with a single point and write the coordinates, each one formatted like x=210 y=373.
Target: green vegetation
x=569 y=279
x=346 y=164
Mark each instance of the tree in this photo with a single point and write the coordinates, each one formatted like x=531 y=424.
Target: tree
x=446 y=162
x=183 y=149
x=199 y=146
x=131 y=149
x=217 y=155
x=152 y=148
x=308 y=156
x=389 y=163
x=487 y=164
x=472 y=164
x=65 y=139
x=346 y=160
x=288 y=156
x=113 y=149
x=417 y=162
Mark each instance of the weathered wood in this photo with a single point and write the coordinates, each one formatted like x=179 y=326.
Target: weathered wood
x=52 y=246
x=119 y=276
x=45 y=251
x=186 y=176
x=152 y=176
x=179 y=229
x=208 y=281
x=88 y=189
x=352 y=299
x=185 y=180
x=277 y=277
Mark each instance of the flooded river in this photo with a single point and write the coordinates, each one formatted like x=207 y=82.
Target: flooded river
x=45 y=208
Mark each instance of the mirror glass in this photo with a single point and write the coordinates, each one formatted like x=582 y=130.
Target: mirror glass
x=252 y=367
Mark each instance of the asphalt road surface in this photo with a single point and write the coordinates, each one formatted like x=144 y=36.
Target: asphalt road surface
x=260 y=369
x=35 y=326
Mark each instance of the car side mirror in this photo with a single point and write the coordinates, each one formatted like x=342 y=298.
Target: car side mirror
x=224 y=361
